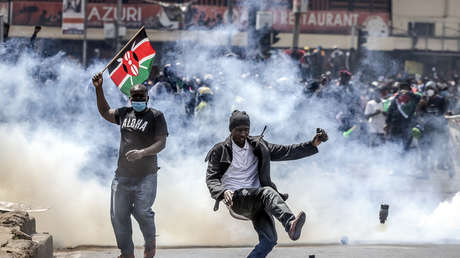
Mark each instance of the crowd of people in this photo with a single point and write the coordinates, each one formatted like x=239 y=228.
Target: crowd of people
x=408 y=110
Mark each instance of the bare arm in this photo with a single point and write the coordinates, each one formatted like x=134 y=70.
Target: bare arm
x=102 y=105
x=155 y=148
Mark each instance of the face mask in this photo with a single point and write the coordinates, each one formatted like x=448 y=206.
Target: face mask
x=430 y=92
x=139 y=106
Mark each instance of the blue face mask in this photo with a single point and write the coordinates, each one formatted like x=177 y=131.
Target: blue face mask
x=139 y=106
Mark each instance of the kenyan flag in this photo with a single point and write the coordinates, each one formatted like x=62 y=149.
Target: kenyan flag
x=132 y=65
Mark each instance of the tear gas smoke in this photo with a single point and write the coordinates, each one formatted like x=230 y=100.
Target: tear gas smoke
x=58 y=152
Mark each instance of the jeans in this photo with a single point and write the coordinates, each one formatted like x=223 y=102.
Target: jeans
x=260 y=205
x=133 y=196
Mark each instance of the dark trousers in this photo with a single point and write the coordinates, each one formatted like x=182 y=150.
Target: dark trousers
x=401 y=135
x=260 y=205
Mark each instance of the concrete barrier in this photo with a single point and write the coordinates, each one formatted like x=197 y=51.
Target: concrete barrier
x=18 y=237
x=45 y=245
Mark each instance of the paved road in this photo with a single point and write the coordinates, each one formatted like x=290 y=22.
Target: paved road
x=320 y=251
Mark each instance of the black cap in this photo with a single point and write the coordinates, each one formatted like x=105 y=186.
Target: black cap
x=238 y=118
x=404 y=86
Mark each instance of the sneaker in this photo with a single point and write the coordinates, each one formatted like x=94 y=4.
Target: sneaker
x=296 y=226
x=149 y=251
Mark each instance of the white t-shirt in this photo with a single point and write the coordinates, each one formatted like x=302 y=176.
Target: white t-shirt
x=243 y=172
x=377 y=122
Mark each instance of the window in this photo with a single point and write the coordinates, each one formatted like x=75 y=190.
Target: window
x=421 y=29
x=361 y=5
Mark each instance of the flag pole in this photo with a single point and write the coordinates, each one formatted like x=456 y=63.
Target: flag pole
x=124 y=48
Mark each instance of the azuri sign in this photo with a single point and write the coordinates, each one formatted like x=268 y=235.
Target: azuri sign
x=108 y=13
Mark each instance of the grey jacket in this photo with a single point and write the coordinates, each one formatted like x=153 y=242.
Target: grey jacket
x=219 y=159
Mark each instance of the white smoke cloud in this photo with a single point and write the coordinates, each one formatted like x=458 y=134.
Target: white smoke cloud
x=58 y=152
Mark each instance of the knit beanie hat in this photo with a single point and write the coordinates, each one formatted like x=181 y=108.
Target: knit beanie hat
x=238 y=118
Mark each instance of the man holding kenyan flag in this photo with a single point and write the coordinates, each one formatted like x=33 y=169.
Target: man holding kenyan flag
x=143 y=136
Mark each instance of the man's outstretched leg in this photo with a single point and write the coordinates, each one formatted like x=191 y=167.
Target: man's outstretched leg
x=265 y=227
x=276 y=206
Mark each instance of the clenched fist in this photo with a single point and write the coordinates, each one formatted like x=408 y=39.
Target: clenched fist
x=97 y=80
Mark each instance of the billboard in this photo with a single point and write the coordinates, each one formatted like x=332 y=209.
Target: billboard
x=73 y=16
x=37 y=13
x=155 y=16
x=4 y=11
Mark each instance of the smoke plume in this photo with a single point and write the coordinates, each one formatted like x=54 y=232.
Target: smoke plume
x=58 y=152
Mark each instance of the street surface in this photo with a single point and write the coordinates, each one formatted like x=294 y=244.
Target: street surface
x=320 y=251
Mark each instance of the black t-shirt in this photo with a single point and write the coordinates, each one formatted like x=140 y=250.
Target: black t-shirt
x=436 y=106
x=138 y=131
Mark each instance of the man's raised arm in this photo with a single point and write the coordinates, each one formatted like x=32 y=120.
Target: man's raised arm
x=296 y=151
x=102 y=105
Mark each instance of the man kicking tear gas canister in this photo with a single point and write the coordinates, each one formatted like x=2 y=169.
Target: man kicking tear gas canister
x=239 y=174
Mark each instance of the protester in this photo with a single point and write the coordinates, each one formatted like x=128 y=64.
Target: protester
x=204 y=100
x=336 y=60
x=375 y=116
x=348 y=100
x=306 y=64
x=399 y=121
x=432 y=109
x=239 y=174
x=34 y=36
x=143 y=136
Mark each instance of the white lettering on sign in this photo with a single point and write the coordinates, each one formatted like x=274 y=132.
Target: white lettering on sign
x=95 y=13
x=304 y=19
x=123 y=13
x=348 y=20
x=338 y=20
x=329 y=19
x=131 y=14
x=355 y=19
x=321 y=19
x=109 y=13
x=107 y=10
x=312 y=19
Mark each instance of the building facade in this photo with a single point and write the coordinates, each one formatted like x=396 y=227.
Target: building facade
x=423 y=31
